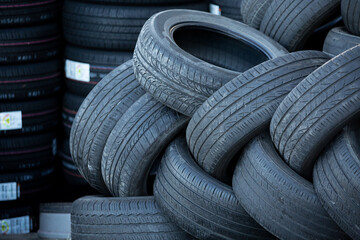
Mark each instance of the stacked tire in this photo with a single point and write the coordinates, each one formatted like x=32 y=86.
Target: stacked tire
x=30 y=81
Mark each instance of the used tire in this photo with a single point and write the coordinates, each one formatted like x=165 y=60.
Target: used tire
x=253 y=11
x=29 y=117
x=30 y=81
x=316 y=110
x=243 y=108
x=336 y=180
x=26 y=12
x=230 y=8
x=71 y=104
x=350 y=10
x=27 y=152
x=291 y=22
x=280 y=200
x=93 y=64
x=181 y=70
x=338 y=41
x=198 y=203
x=109 y=26
x=55 y=221
x=137 y=139
x=28 y=44
x=96 y=118
x=135 y=218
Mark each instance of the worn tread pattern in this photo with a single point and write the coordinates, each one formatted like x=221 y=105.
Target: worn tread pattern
x=350 y=10
x=243 y=108
x=131 y=218
x=337 y=180
x=316 y=110
x=183 y=82
x=291 y=22
x=201 y=205
x=96 y=118
x=136 y=141
x=253 y=11
x=280 y=200
x=338 y=41
x=101 y=63
x=109 y=26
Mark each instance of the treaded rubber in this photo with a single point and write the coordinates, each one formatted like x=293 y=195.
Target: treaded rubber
x=338 y=41
x=101 y=63
x=337 y=180
x=316 y=110
x=243 y=108
x=350 y=10
x=198 y=203
x=291 y=22
x=96 y=118
x=135 y=218
x=70 y=106
x=136 y=141
x=279 y=199
x=253 y=11
x=174 y=71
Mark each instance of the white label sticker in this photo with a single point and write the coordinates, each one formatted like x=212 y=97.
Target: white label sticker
x=9 y=191
x=18 y=225
x=215 y=9
x=54 y=147
x=10 y=120
x=77 y=70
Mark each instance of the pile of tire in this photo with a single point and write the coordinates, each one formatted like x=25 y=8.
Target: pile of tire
x=30 y=82
x=214 y=130
x=100 y=35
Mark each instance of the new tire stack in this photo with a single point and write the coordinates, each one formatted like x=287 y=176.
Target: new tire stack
x=30 y=75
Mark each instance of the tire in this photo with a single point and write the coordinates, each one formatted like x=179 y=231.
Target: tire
x=198 y=203
x=29 y=44
x=189 y=70
x=316 y=110
x=36 y=116
x=350 y=10
x=27 y=185
x=96 y=64
x=253 y=11
x=15 y=220
x=29 y=236
x=338 y=41
x=291 y=22
x=71 y=104
x=140 y=2
x=55 y=221
x=230 y=8
x=133 y=218
x=28 y=12
x=280 y=200
x=96 y=118
x=109 y=26
x=243 y=108
x=30 y=81
x=336 y=180
x=27 y=152
x=135 y=142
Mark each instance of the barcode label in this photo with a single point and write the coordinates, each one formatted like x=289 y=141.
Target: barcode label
x=77 y=70
x=10 y=120
x=18 y=225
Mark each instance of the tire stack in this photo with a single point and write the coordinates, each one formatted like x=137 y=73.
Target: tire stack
x=30 y=82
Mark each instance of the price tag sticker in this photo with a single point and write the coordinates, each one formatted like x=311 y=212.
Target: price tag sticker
x=77 y=70
x=10 y=120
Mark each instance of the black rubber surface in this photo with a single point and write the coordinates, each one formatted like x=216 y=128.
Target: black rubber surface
x=30 y=81
x=337 y=180
x=291 y=22
x=136 y=141
x=339 y=40
x=316 y=110
x=278 y=198
x=135 y=218
x=96 y=118
x=198 y=203
x=243 y=108
x=101 y=63
x=28 y=44
x=181 y=70
x=350 y=10
x=71 y=104
x=109 y=26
